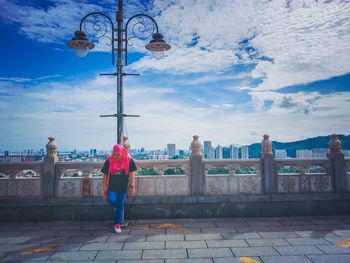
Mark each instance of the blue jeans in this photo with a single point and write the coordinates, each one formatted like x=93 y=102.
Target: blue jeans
x=117 y=199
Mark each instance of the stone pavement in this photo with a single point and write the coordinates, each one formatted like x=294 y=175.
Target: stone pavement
x=216 y=240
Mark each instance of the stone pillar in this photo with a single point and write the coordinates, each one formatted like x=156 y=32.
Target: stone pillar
x=197 y=175
x=269 y=175
x=48 y=175
x=337 y=165
x=126 y=144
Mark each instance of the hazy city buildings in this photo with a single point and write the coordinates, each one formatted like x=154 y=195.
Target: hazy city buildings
x=218 y=152
x=208 y=152
x=171 y=150
x=234 y=152
x=245 y=152
x=281 y=153
x=304 y=153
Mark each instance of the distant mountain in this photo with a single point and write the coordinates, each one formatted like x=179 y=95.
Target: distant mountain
x=291 y=147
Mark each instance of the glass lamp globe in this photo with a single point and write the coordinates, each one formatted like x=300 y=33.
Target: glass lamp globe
x=81 y=51
x=158 y=54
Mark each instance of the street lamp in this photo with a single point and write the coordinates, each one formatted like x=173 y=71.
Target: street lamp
x=140 y=29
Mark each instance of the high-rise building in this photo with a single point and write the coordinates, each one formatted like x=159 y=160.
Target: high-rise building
x=319 y=152
x=218 y=152
x=304 y=153
x=171 y=149
x=233 y=151
x=281 y=153
x=245 y=152
x=208 y=150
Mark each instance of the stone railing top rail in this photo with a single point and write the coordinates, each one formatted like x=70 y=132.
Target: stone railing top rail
x=227 y=161
x=25 y=164
x=314 y=159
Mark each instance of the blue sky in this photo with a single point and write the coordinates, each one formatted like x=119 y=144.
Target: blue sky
x=236 y=70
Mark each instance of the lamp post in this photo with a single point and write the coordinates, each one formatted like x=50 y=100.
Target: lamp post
x=140 y=30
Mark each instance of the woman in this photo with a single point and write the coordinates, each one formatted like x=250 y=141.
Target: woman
x=117 y=170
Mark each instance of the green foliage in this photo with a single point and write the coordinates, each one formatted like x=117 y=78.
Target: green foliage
x=245 y=170
x=174 y=171
x=288 y=170
x=147 y=171
x=218 y=170
x=316 y=170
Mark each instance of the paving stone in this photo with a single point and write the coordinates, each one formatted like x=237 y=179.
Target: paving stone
x=49 y=239
x=285 y=259
x=269 y=242
x=102 y=246
x=134 y=238
x=327 y=222
x=11 y=247
x=323 y=227
x=253 y=251
x=227 y=243
x=165 y=238
x=288 y=228
x=236 y=260
x=307 y=241
x=315 y=234
x=342 y=233
x=119 y=254
x=267 y=223
x=144 y=245
x=174 y=231
x=18 y=257
x=335 y=240
x=91 y=239
x=14 y=239
x=198 y=224
x=67 y=246
x=231 y=224
x=192 y=260
x=333 y=249
x=244 y=229
x=140 y=261
x=277 y=234
x=84 y=261
x=186 y=244
x=212 y=230
x=203 y=236
x=147 y=232
x=209 y=252
x=162 y=253
x=240 y=235
x=329 y=258
x=73 y=255
x=298 y=250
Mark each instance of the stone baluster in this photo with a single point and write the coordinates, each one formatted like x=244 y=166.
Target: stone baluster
x=337 y=164
x=48 y=175
x=197 y=175
x=269 y=175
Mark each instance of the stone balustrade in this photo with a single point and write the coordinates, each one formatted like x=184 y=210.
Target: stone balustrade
x=194 y=187
x=194 y=176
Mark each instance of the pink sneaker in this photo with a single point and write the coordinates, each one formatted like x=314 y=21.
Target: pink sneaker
x=117 y=228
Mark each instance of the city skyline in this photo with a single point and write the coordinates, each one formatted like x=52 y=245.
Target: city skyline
x=232 y=74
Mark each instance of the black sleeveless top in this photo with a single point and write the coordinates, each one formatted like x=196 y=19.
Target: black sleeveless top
x=118 y=182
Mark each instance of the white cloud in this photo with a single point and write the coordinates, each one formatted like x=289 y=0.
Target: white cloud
x=70 y=112
x=291 y=42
